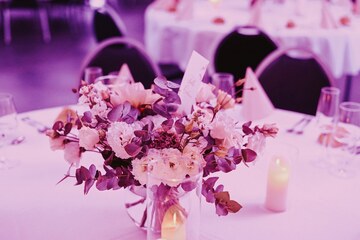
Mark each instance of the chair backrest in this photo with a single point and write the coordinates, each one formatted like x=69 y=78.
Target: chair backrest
x=245 y=46
x=107 y=23
x=293 y=78
x=24 y=3
x=110 y=54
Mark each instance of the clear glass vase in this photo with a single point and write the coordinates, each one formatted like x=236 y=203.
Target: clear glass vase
x=173 y=206
x=135 y=205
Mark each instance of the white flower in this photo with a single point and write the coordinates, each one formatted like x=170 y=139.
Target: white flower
x=119 y=135
x=72 y=153
x=167 y=166
x=99 y=86
x=99 y=108
x=57 y=143
x=140 y=165
x=193 y=157
x=224 y=127
x=88 y=137
x=205 y=93
x=202 y=119
x=257 y=142
x=235 y=139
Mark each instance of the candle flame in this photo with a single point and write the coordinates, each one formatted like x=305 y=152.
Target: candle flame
x=174 y=218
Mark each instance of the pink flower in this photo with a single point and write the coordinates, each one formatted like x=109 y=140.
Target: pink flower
x=269 y=130
x=57 y=143
x=225 y=100
x=72 y=153
x=134 y=93
x=88 y=137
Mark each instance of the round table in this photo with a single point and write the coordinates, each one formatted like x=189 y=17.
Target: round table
x=33 y=206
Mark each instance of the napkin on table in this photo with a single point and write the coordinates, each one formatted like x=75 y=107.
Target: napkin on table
x=255 y=104
x=327 y=19
x=167 y=5
x=124 y=75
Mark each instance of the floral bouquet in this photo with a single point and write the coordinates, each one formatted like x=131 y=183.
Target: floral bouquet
x=137 y=131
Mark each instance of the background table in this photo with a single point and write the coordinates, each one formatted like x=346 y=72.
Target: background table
x=169 y=40
x=33 y=207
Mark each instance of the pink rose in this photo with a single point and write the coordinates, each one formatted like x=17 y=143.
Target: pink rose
x=88 y=137
x=72 y=153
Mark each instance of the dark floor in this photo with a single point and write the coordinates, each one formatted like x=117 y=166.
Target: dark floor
x=42 y=74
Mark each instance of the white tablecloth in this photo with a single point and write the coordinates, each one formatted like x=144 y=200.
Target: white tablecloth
x=169 y=40
x=33 y=207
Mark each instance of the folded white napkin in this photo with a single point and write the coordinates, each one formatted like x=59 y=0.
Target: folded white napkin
x=167 y=5
x=124 y=75
x=185 y=10
x=256 y=14
x=256 y=103
x=327 y=19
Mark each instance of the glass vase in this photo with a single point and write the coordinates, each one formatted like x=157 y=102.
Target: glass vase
x=173 y=206
x=135 y=205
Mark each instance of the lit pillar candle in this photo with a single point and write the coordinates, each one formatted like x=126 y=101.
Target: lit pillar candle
x=277 y=184
x=173 y=224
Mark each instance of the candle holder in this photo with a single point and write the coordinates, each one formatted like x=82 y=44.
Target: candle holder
x=173 y=205
x=279 y=173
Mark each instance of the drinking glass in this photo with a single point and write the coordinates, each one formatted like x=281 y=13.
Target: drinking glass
x=8 y=124
x=346 y=139
x=326 y=113
x=92 y=73
x=224 y=81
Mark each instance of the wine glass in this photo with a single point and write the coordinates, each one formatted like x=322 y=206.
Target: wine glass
x=345 y=140
x=224 y=81
x=92 y=73
x=326 y=113
x=8 y=124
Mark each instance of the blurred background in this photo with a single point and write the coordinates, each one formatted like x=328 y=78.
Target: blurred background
x=42 y=73
x=40 y=63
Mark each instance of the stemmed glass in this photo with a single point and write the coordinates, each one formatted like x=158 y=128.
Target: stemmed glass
x=346 y=140
x=224 y=81
x=326 y=113
x=8 y=124
x=92 y=73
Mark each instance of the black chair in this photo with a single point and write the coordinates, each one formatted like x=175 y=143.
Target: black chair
x=293 y=78
x=245 y=46
x=110 y=54
x=107 y=23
